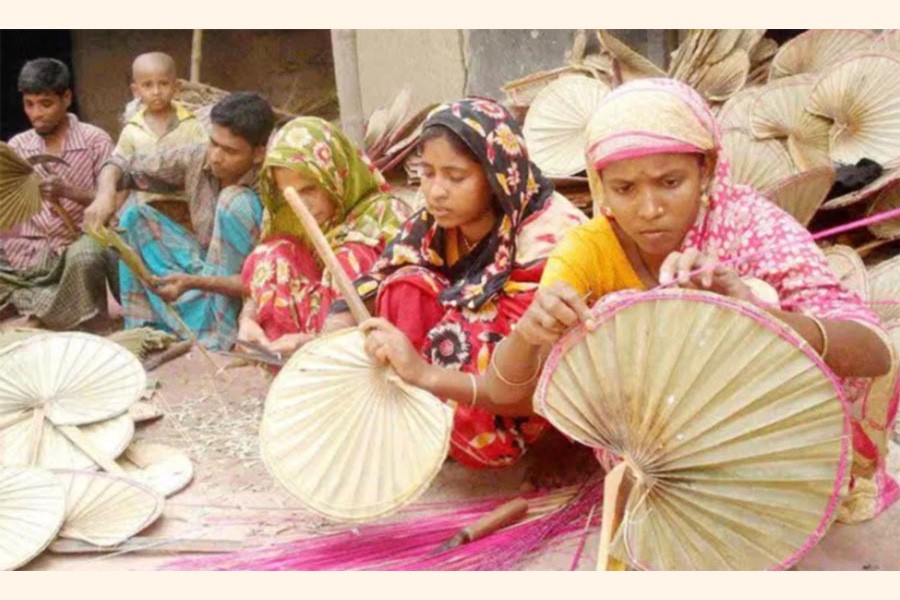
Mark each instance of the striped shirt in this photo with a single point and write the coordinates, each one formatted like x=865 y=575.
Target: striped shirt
x=86 y=147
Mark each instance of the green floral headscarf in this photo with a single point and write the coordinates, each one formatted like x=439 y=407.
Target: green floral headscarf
x=316 y=150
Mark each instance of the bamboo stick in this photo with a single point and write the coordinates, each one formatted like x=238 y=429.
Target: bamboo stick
x=323 y=248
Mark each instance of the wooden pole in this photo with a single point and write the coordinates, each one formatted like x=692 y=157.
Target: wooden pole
x=323 y=248
x=346 y=76
x=196 y=55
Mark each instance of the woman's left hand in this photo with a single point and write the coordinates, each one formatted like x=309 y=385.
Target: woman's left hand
x=695 y=270
x=390 y=346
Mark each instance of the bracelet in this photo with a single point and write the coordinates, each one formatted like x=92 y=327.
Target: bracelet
x=500 y=376
x=474 y=389
x=822 y=331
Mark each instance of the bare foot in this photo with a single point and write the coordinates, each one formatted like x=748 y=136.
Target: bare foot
x=557 y=462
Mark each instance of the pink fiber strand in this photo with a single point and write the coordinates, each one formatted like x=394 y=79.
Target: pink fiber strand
x=407 y=545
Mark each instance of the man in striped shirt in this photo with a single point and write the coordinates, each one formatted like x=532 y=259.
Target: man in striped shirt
x=48 y=269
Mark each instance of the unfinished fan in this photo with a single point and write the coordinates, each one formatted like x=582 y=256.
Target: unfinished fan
x=779 y=111
x=734 y=438
x=802 y=194
x=32 y=507
x=105 y=510
x=849 y=268
x=861 y=96
x=884 y=289
x=556 y=124
x=721 y=80
x=735 y=114
x=817 y=49
x=20 y=195
x=346 y=436
x=72 y=378
x=886 y=200
x=758 y=163
x=163 y=468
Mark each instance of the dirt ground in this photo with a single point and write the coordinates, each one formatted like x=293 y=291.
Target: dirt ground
x=213 y=414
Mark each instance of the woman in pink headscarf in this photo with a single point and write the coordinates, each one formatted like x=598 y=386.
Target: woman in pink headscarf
x=667 y=209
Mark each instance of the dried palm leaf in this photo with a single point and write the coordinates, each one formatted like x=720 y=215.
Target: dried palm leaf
x=884 y=289
x=141 y=340
x=104 y=510
x=818 y=49
x=555 y=128
x=889 y=176
x=32 y=507
x=802 y=194
x=862 y=97
x=347 y=437
x=887 y=199
x=20 y=195
x=761 y=60
x=108 y=238
x=779 y=111
x=163 y=468
x=689 y=53
x=888 y=40
x=721 y=80
x=736 y=459
x=758 y=163
x=735 y=113
x=849 y=268
x=628 y=64
x=376 y=127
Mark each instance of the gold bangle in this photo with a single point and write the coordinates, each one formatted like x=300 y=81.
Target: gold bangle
x=824 y=333
x=500 y=376
x=474 y=389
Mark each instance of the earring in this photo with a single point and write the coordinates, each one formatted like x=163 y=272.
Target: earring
x=704 y=198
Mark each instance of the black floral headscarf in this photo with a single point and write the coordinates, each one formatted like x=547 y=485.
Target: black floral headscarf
x=494 y=137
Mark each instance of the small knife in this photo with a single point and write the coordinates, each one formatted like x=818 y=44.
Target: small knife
x=503 y=515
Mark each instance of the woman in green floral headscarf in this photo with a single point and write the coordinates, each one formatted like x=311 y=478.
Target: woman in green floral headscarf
x=289 y=297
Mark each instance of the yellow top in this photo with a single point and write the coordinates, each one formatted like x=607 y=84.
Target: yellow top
x=591 y=259
x=138 y=138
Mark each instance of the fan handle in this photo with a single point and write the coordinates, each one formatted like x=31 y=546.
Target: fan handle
x=323 y=249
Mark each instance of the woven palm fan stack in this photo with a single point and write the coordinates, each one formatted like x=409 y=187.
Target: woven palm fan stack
x=64 y=423
x=725 y=459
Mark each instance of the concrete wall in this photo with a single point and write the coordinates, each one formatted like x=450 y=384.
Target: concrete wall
x=293 y=69
x=430 y=60
x=495 y=56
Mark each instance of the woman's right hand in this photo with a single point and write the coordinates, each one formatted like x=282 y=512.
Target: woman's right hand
x=250 y=331
x=554 y=310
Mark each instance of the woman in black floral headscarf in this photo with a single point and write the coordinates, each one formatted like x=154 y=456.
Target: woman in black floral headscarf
x=463 y=269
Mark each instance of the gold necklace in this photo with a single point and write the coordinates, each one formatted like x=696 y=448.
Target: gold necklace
x=467 y=246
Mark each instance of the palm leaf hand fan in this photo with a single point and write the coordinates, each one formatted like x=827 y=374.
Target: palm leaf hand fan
x=849 y=268
x=817 y=49
x=802 y=194
x=757 y=163
x=555 y=126
x=64 y=399
x=861 y=96
x=779 y=111
x=886 y=200
x=105 y=510
x=884 y=289
x=32 y=508
x=20 y=196
x=346 y=436
x=343 y=434
x=733 y=439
